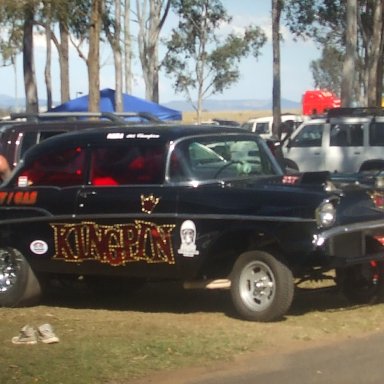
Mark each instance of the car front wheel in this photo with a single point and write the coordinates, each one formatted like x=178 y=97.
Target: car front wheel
x=262 y=287
x=18 y=284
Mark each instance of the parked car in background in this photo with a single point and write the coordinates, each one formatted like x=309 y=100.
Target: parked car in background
x=346 y=140
x=205 y=205
x=263 y=125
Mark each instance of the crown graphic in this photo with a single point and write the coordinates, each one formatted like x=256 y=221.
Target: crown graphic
x=148 y=203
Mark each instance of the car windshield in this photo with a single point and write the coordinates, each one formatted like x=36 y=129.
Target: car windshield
x=203 y=159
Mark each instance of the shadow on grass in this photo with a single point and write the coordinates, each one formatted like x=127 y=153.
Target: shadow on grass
x=152 y=297
x=171 y=297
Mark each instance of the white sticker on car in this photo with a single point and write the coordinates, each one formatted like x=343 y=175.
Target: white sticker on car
x=188 y=239
x=39 y=247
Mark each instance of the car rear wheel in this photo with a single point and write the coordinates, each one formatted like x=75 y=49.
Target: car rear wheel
x=363 y=283
x=262 y=287
x=18 y=283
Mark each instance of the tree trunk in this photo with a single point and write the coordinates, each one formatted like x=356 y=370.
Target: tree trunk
x=348 y=78
x=117 y=59
x=375 y=52
x=276 y=88
x=148 y=38
x=48 y=60
x=47 y=71
x=127 y=48
x=93 y=60
x=32 y=103
x=64 y=64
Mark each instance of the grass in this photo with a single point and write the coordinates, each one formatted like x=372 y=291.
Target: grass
x=161 y=328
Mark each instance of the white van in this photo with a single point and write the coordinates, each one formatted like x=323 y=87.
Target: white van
x=263 y=125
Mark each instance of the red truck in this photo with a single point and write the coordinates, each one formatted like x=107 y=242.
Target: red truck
x=318 y=101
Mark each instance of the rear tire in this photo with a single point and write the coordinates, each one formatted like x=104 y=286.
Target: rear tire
x=262 y=287
x=18 y=283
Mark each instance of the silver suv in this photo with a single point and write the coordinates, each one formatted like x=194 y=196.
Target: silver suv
x=347 y=140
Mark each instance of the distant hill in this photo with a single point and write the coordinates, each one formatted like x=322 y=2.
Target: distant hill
x=10 y=103
x=232 y=105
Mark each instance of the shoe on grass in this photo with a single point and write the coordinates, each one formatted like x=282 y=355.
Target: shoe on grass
x=27 y=335
x=46 y=334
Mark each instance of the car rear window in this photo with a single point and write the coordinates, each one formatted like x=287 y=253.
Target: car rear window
x=61 y=169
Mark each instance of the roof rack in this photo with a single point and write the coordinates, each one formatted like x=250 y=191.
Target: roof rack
x=112 y=116
x=358 y=112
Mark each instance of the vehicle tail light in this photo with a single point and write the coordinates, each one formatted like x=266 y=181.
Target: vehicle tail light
x=378 y=199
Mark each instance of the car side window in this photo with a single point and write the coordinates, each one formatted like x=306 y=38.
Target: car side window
x=309 y=136
x=376 y=134
x=346 y=135
x=212 y=158
x=130 y=165
x=61 y=168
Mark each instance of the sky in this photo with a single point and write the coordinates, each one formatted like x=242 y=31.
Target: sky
x=256 y=74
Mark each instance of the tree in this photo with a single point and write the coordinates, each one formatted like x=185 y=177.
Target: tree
x=112 y=29
x=151 y=22
x=375 y=52
x=127 y=48
x=325 y=19
x=85 y=25
x=11 y=37
x=30 y=86
x=93 y=60
x=348 y=77
x=18 y=18
x=277 y=6
x=199 y=62
x=326 y=70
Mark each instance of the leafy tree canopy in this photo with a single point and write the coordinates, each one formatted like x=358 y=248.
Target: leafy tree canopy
x=197 y=58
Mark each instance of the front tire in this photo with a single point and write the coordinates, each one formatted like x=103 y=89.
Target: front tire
x=262 y=287
x=18 y=283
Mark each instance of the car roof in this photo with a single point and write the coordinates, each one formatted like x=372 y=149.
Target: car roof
x=165 y=132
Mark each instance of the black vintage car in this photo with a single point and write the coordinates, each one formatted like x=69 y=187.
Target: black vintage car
x=206 y=205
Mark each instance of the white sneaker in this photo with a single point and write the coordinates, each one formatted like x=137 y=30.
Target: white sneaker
x=46 y=334
x=27 y=335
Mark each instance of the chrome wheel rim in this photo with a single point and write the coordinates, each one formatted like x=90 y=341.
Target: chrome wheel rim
x=9 y=269
x=257 y=286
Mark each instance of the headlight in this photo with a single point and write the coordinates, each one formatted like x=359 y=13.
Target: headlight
x=326 y=214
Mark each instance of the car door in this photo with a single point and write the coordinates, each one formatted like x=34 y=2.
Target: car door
x=126 y=212
x=346 y=143
x=306 y=146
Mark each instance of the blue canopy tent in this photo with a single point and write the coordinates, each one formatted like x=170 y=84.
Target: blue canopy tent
x=130 y=104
